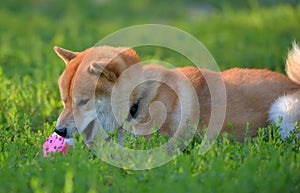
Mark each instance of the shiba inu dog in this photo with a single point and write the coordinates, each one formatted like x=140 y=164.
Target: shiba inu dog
x=105 y=86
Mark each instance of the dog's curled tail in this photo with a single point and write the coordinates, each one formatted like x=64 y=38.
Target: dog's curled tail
x=293 y=63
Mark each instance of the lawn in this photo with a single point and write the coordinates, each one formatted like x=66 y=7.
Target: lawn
x=253 y=34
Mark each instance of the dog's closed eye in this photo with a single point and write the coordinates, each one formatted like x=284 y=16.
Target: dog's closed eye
x=83 y=102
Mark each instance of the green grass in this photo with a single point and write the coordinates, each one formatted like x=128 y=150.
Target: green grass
x=253 y=34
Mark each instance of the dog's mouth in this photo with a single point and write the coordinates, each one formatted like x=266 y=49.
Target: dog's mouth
x=70 y=135
x=70 y=141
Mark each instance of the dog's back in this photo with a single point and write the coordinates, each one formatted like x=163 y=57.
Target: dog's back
x=255 y=96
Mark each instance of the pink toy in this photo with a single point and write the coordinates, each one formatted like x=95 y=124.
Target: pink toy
x=56 y=143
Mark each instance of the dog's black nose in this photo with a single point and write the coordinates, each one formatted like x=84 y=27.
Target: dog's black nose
x=62 y=131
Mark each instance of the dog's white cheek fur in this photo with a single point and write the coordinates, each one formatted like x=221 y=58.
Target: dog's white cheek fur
x=88 y=117
x=105 y=114
x=288 y=108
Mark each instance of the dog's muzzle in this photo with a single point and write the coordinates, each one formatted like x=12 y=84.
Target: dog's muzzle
x=62 y=131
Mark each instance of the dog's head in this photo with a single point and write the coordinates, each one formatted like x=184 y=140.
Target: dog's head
x=88 y=75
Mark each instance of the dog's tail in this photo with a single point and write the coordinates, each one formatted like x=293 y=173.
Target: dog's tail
x=293 y=63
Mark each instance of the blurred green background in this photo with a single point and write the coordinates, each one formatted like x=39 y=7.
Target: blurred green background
x=238 y=33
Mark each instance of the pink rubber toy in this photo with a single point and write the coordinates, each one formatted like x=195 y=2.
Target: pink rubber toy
x=55 y=143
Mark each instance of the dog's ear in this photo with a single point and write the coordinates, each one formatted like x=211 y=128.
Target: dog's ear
x=100 y=70
x=113 y=67
x=65 y=55
x=125 y=58
x=128 y=55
